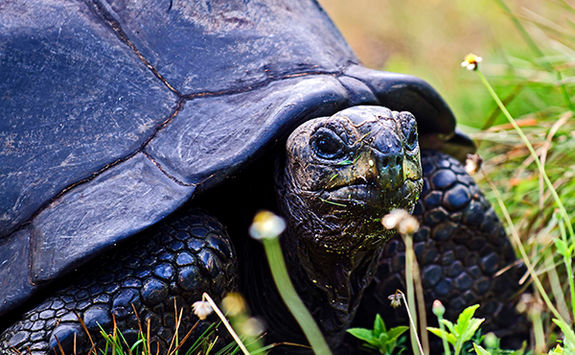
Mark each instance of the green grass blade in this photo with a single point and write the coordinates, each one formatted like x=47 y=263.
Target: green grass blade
x=289 y=295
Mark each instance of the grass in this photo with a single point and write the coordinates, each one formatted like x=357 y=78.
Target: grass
x=529 y=171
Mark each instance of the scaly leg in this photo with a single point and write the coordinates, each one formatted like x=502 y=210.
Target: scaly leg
x=176 y=260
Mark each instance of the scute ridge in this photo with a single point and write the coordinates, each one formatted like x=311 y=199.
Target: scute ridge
x=100 y=10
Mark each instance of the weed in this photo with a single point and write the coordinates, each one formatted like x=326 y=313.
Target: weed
x=460 y=332
x=384 y=340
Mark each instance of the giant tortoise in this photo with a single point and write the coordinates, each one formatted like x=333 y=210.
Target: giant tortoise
x=122 y=119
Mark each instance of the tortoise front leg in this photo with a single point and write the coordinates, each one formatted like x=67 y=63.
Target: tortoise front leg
x=462 y=250
x=175 y=261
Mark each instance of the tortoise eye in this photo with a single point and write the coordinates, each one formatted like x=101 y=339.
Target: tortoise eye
x=326 y=144
x=410 y=134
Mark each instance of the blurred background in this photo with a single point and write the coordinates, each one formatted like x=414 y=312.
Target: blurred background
x=430 y=38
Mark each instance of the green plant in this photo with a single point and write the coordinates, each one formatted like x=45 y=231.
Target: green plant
x=439 y=310
x=568 y=346
x=493 y=347
x=462 y=331
x=479 y=350
x=115 y=343
x=208 y=342
x=386 y=341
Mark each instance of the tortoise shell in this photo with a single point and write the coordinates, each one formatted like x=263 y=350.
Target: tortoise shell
x=115 y=113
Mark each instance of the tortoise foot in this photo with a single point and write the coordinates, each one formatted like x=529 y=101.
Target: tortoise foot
x=167 y=266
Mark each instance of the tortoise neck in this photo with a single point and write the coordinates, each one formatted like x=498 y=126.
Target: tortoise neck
x=331 y=281
x=332 y=297
x=331 y=284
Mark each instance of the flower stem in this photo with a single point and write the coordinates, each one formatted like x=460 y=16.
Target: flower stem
x=412 y=327
x=290 y=297
x=226 y=323
x=567 y=259
x=411 y=304
x=446 y=349
x=538 y=332
x=422 y=312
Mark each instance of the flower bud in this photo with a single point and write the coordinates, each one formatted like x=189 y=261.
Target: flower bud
x=393 y=218
x=408 y=225
x=491 y=340
x=202 y=309
x=438 y=308
x=252 y=327
x=401 y=220
x=395 y=299
x=473 y=163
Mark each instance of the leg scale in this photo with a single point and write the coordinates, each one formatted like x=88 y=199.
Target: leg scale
x=175 y=261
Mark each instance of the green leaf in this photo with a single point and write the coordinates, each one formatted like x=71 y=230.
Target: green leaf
x=562 y=247
x=395 y=333
x=378 y=326
x=362 y=334
x=345 y=162
x=479 y=350
x=472 y=326
x=449 y=325
x=136 y=344
x=567 y=331
x=463 y=320
x=443 y=334
x=382 y=340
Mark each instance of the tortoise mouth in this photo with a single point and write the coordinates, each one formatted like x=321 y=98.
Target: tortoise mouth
x=362 y=207
x=369 y=195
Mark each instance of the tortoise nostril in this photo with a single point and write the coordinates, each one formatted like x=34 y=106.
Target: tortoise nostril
x=391 y=161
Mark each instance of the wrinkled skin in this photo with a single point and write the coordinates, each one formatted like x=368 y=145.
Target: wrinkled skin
x=342 y=174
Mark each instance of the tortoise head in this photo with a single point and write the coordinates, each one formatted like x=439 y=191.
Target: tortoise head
x=341 y=175
x=348 y=170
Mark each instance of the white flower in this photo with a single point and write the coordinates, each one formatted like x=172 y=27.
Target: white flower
x=267 y=225
x=471 y=61
x=395 y=299
x=408 y=225
x=393 y=218
x=202 y=309
x=401 y=220
x=473 y=163
x=529 y=304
